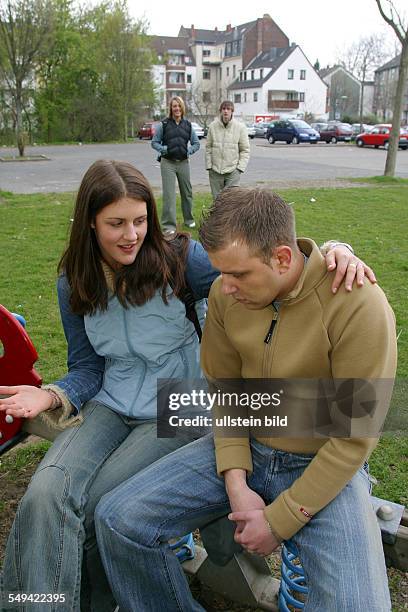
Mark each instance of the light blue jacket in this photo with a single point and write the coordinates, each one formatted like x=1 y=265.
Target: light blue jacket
x=117 y=356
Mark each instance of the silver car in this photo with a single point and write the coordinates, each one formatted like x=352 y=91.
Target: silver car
x=198 y=130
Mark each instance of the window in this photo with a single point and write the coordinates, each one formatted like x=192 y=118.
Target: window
x=252 y=75
x=302 y=75
x=261 y=73
x=206 y=74
x=175 y=60
x=176 y=77
x=237 y=98
x=302 y=96
x=245 y=76
x=234 y=72
x=240 y=76
x=255 y=96
x=206 y=53
x=206 y=96
x=228 y=49
x=189 y=80
x=245 y=97
x=227 y=70
x=291 y=95
x=291 y=74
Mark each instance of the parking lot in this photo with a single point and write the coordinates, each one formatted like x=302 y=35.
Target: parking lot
x=275 y=165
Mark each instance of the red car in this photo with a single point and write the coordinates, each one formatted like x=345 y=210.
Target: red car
x=336 y=132
x=147 y=130
x=379 y=137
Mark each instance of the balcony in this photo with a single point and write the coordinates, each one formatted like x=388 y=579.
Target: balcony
x=175 y=86
x=212 y=61
x=175 y=67
x=282 y=104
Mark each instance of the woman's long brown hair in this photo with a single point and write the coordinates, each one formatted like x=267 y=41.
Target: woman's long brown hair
x=158 y=263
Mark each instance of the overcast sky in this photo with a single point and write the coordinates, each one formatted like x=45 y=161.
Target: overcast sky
x=321 y=27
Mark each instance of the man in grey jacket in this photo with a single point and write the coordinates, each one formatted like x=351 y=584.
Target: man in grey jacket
x=227 y=149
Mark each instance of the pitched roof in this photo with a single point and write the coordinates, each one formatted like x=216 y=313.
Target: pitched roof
x=205 y=36
x=394 y=63
x=237 y=32
x=325 y=72
x=272 y=59
x=217 y=36
x=164 y=44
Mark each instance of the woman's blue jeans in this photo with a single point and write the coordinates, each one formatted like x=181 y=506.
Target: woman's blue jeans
x=52 y=543
x=340 y=549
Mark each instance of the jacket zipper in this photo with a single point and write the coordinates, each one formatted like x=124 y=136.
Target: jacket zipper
x=267 y=342
x=268 y=336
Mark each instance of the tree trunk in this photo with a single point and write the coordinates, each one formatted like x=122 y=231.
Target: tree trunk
x=361 y=110
x=391 y=160
x=19 y=124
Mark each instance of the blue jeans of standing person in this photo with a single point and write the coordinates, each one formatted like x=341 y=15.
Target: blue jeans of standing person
x=340 y=549
x=52 y=543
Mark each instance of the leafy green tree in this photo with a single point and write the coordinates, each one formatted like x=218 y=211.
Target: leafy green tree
x=125 y=58
x=26 y=30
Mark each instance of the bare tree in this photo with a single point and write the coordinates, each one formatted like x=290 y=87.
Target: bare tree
x=204 y=103
x=394 y=19
x=361 y=59
x=25 y=29
x=385 y=93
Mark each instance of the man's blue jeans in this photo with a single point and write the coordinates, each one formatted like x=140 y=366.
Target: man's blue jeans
x=340 y=549
x=52 y=543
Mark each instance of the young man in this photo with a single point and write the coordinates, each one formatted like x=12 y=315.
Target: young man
x=175 y=140
x=227 y=150
x=272 y=314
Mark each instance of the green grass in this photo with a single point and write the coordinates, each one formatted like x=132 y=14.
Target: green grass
x=24 y=457
x=380 y=180
x=34 y=230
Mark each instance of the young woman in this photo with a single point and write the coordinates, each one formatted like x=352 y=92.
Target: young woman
x=175 y=140
x=119 y=288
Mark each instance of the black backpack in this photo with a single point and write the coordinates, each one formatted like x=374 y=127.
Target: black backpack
x=187 y=297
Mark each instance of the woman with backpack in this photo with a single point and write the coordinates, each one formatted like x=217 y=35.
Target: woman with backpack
x=175 y=140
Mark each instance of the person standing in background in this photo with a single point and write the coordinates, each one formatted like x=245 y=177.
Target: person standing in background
x=175 y=140
x=227 y=150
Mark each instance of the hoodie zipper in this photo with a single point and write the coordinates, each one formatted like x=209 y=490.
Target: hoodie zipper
x=268 y=343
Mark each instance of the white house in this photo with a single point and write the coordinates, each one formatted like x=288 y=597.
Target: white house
x=280 y=82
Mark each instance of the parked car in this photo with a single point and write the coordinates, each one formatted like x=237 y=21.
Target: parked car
x=336 y=132
x=379 y=136
x=261 y=128
x=359 y=128
x=198 y=130
x=250 y=130
x=318 y=126
x=147 y=129
x=292 y=131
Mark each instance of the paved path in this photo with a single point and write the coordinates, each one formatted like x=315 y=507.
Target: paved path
x=275 y=165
